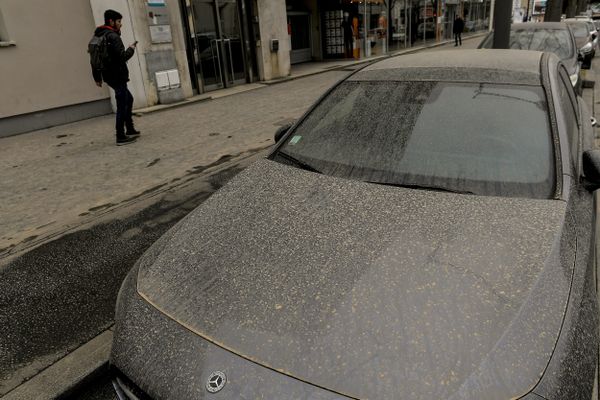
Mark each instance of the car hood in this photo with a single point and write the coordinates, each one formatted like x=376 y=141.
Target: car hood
x=369 y=291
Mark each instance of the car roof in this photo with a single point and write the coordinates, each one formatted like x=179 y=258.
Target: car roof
x=482 y=65
x=540 y=25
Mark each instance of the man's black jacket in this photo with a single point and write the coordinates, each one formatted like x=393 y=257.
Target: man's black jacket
x=459 y=25
x=115 y=73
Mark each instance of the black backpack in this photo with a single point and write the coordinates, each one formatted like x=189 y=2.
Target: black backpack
x=98 y=49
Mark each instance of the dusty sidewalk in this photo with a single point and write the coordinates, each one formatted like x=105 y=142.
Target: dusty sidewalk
x=56 y=177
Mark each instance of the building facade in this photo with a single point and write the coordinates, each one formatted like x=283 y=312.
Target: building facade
x=190 y=47
x=365 y=28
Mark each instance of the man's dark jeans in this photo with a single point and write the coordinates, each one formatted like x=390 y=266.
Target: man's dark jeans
x=457 y=39
x=124 y=107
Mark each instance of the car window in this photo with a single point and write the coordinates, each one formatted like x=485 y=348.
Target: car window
x=569 y=106
x=481 y=138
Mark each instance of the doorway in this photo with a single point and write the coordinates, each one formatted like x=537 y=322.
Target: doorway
x=215 y=44
x=299 y=29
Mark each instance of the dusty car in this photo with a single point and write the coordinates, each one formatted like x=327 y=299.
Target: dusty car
x=591 y=26
x=584 y=39
x=555 y=37
x=424 y=231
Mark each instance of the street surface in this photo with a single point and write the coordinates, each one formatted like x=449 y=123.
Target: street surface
x=62 y=261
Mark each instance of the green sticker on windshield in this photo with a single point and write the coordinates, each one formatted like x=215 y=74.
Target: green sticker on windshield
x=295 y=139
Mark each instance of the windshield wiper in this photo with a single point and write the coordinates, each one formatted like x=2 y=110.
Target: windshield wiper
x=423 y=187
x=299 y=163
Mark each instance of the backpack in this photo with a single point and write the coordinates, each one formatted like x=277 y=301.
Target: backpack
x=98 y=49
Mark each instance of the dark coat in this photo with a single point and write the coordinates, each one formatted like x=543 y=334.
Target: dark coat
x=116 y=72
x=459 y=25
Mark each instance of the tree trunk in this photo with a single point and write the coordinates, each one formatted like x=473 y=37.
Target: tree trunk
x=553 y=11
x=572 y=8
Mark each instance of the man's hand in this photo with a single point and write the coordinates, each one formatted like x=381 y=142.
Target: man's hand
x=99 y=84
x=133 y=44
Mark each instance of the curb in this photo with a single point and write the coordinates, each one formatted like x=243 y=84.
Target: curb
x=68 y=373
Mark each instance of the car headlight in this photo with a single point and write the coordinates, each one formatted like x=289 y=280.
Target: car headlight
x=587 y=48
x=574 y=79
x=575 y=76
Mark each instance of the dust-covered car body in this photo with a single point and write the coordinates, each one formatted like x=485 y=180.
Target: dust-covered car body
x=301 y=280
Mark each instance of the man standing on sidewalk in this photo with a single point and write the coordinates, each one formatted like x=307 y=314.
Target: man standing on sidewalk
x=116 y=75
x=459 y=27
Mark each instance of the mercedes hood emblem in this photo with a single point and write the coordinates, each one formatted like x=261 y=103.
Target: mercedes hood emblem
x=216 y=382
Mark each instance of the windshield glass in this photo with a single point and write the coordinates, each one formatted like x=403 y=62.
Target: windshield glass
x=557 y=41
x=552 y=40
x=580 y=29
x=480 y=138
x=591 y=26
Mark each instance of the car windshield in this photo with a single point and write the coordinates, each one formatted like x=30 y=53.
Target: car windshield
x=591 y=26
x=552 y=40
x=579 y=29
x=556 y=41
x=478 y=138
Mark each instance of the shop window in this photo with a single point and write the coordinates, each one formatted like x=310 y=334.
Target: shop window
x=4 y=38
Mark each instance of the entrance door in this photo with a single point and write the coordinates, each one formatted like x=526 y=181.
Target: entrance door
x=299 y=29
x=219 y=51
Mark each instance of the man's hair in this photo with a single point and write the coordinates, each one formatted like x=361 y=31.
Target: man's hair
x=111 y=15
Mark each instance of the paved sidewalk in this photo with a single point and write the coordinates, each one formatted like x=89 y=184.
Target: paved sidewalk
x=56 y=179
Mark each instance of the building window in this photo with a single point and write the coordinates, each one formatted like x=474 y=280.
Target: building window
x=4 y=38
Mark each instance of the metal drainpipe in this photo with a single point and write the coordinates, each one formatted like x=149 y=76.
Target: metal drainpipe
x=365 y=29
x=492 y=6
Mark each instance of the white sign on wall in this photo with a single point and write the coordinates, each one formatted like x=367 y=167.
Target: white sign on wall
x=161 y=33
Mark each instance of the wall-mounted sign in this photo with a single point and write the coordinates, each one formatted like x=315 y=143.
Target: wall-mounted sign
x=156 y=3
x=160 y=33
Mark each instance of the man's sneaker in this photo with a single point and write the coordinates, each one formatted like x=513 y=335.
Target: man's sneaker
x=121 y=141
x=132 y=133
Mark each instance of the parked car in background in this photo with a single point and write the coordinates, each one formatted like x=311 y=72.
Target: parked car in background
x=424 y=231
x=584 y=40
x=591 y=25
x=554 y=37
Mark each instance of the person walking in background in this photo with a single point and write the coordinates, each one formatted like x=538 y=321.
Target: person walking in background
x=348 y=36
x=115 y=73
x=459 y=27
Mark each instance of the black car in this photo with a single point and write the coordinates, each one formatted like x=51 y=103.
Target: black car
x=555 y=37
x=425 y=231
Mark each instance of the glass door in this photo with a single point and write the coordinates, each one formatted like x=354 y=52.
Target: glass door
x=206 y=52
x=219 y=51
x=231 y=42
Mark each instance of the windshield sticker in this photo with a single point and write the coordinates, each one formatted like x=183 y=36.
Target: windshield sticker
x=295 y=139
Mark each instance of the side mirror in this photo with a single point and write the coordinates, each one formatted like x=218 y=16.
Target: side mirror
x=282 y=131
x=580 y=57
x=594 y=36
x=591 y=169
x=594 y=121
